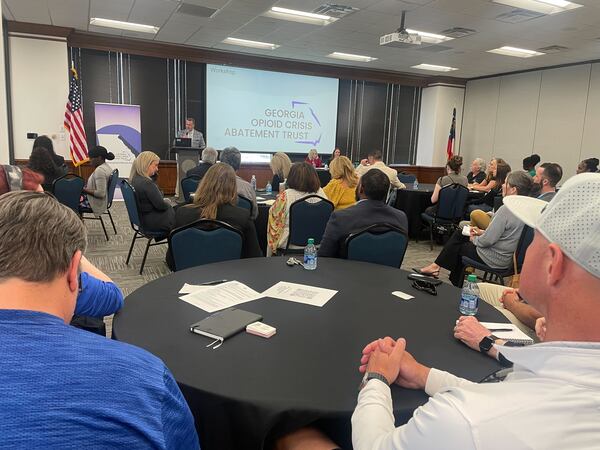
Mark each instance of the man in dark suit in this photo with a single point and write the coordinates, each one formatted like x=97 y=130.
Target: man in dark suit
x=209 y=157
x=371 y=208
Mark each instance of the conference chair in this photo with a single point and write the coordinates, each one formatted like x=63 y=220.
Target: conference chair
x=308 y=219
x=391 y=196
x=188 y=186
x=203 y=242
x=451 y=207
x=380 y=243
x=243 y=202
x=110 y=193
x=68 y=189
x=406 y=178
x=495 y=275
x=136 y=224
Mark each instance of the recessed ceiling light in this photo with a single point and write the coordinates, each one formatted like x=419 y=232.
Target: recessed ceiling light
x=434 y=68
x=351 y=57
x=299 y=16
x=128 y=26
x=541 y=6
x=514 y=51
x=430 y=38
x=247 y=43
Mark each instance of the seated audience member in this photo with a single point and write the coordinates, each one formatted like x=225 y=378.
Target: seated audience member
x=547 y=176
x=529 y=164
x=233 y=157
x=337 y=152
x=373 y=161
x=494 y=246
x=56 y=390
x=477 y=173
x=216 y=198
x=28 y=178
x=96 y=188
x=313 y=158
x=489 y=182
x=302 y=181
x=42 y=162
x=486 y=204
x=98 y=295
x=341 y=189
x=209 y=157
x=59 y=161
x=372 y=189
x=588 y=165
x=280 y=166
x=156 y=213
x=561 y=280
x=452 y=176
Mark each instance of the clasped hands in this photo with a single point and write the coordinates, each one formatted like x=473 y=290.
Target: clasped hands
x=389 y=358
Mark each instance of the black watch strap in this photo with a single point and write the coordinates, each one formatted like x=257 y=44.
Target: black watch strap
x=487 y=343
x=373 y=376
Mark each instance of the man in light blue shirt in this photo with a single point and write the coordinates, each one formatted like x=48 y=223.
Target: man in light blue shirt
x=61 y=387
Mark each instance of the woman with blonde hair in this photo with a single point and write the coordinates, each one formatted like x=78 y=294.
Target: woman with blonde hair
x=216 y=198
x=341 y=190
x=280 y=166
x=155 y=212
x=313 y=158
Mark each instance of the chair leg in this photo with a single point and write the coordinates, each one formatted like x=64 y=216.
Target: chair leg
x=430 y=237
x=135 y=236
x=103 y=227
x=145 y=255
x=112 y=221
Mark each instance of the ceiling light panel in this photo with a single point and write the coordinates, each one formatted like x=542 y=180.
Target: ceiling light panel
x=541 y=6
x=295 y=15
x=514 y=51
x=434 y=68
x=430 y=38
x=127 y=26
x=351 y=57
x=247 y=43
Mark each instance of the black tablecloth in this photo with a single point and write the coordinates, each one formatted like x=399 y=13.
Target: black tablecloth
x=414 y=202
x=253 y=389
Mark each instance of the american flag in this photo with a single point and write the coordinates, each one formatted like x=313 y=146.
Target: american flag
x=74 y=122
x=452 y=135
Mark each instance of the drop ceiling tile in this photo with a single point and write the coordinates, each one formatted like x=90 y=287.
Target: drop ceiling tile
x=29 y=11
x=111 y=9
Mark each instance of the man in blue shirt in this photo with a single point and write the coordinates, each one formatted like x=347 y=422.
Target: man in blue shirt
x=61 y=387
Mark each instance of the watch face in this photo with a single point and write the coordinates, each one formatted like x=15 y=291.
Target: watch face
x=486 y=344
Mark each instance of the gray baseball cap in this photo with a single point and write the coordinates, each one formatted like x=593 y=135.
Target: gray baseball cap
x=571 y=219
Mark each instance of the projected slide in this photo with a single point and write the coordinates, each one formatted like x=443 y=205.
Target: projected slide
x=261 y=111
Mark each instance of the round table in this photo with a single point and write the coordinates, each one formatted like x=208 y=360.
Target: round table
x=414 y=202
x=252 y=390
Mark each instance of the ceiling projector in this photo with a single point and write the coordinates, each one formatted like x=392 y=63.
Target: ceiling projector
x=401 y=37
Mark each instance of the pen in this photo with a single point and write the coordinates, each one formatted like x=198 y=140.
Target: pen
x=210 y=283
x=501 y=329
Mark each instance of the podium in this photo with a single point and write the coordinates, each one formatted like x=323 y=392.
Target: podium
x=187 y=158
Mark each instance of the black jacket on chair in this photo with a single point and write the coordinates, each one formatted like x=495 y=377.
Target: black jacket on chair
x=156 y=214
x=199 y=171
x=350 y=220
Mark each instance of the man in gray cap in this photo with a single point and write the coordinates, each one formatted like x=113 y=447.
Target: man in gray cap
x=552 y=398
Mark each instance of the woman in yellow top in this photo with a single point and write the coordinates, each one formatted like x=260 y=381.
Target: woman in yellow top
x=341 y=190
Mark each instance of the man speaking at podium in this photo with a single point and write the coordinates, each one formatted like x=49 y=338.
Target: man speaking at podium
x=193 y=134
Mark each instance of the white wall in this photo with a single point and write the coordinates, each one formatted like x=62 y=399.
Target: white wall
x=554 y=113
x=435 y=119
x=4 y=155
x=39 y=88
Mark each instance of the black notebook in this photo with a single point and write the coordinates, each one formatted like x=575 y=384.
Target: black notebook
x=224 y=324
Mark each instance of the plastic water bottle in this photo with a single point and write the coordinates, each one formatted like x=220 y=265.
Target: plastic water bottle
x=310 y=255
x=469 y=298
x=269 y=188
x=416 y=184
x=253 y=182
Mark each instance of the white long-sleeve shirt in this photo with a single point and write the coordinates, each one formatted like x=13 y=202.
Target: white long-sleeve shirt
x=550 y=401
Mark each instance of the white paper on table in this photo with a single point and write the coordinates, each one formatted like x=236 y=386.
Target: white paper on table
x=221 y=296
x=259 y=198
x=191 y=288
x=267 y=202
x=300 y=293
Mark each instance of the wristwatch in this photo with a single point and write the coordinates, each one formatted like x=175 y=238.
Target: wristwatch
x=372 y=376
x=487 y=343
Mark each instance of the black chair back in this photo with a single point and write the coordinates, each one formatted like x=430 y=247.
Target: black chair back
x=245 y=203
x=68 y=189
x=524 y=242
x=380 y=243
x=451 y=202
x=406 y=178
x=308 y=219
x=203 y=242
x=112 y=185
x=131 y=204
